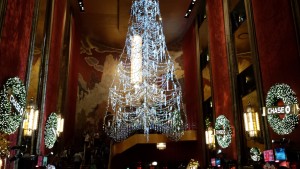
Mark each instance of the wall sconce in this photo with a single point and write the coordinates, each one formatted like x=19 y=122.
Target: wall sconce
x=161 y=146
x=60 y=125
x=210 y=137
x=31 y=119
x=193 y=164
x=251 y=121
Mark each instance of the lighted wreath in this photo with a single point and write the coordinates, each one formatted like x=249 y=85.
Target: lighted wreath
x=255 y=154
x=224 y=138
x=12 y=105
x=50 y=130
x=288 y=96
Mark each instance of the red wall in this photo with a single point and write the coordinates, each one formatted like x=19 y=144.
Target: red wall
x=70 y=111
x=220 y=71
x=14 y=45
x=277 y=46
x=191 y=87
x=54 y=64
x=191 y=90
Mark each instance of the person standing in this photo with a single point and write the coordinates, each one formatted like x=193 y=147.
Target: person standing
x=77 y=160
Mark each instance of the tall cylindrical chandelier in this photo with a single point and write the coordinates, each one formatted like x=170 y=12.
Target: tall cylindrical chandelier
x=145 y=95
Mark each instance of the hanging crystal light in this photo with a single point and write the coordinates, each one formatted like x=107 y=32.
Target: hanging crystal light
x=145 y=95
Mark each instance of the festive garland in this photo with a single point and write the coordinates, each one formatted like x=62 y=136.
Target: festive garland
x=50 y=130
x=222 y=123
x=255 y=154
x=13 y=92
x=288 y=96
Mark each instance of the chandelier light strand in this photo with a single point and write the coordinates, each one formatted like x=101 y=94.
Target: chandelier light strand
x=145 y=96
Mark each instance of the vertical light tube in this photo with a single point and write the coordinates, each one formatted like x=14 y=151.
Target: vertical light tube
x=36 y=118
x=30 y=119
x=257 y=121
x=61 y=126
x=246 y=121
x=136 y=60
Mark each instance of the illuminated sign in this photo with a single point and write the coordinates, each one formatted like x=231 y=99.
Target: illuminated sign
x=17 y=106
x=288 y=109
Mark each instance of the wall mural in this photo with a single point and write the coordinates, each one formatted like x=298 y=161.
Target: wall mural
x=96 y=70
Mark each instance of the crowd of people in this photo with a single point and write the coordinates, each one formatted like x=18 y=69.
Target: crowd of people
x=91 y=154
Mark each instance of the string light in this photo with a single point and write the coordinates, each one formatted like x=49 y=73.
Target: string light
x=145 y=95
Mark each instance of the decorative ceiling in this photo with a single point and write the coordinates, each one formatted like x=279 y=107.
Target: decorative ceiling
x=106 y=21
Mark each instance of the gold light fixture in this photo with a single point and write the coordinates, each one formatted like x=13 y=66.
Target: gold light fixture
x=31 y=119
x=193 y=164
x=251 y=121
x=210 y=137
x=161 y=146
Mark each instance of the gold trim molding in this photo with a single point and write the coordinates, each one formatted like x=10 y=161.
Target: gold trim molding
x=118 y=148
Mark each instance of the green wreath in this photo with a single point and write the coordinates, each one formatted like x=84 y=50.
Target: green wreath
x=255 y=154
x=222 y=123
x=11 y=115
x=50 y=130
x=288 y=96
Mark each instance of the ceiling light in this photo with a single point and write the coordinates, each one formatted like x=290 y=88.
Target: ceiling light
x=161 y=146
x=154 y=163
x=82 y=9
x=190 y=9
x=81 y=5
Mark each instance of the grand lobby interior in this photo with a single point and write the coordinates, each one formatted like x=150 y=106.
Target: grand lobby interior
x=149 y=84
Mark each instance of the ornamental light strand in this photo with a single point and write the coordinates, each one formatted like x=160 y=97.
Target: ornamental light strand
x=145 y=95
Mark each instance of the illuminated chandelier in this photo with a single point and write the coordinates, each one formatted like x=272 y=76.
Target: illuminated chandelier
x=145 y=95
